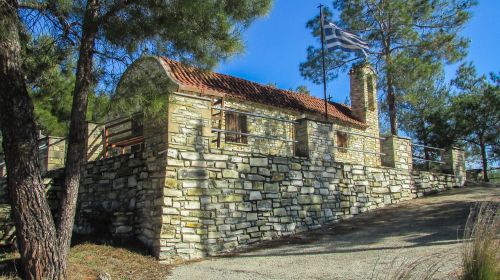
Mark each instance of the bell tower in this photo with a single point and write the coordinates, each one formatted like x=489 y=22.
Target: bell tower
x=364 y=105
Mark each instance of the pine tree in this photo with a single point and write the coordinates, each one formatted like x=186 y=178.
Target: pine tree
x=408 y=39
x=200 y=32
x=475 y=112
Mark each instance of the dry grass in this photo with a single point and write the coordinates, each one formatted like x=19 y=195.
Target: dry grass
x=422 y=268
x=87 y=261
x=481 y=247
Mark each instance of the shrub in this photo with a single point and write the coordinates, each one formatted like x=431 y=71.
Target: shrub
x=481 y=245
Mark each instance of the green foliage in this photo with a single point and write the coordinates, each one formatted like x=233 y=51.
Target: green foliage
x=51 y=79
x=272 y=84
x=475 y=111
x=143 y=88
x=409 y=39
x=195 y=32
x=202 y=32
x=301 y=89
x=424 y=112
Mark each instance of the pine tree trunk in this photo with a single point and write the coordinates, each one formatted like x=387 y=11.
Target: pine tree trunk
x=485 y=161
x=76 y=154
x=391 y=98
x=391 y=101
x=35 y=230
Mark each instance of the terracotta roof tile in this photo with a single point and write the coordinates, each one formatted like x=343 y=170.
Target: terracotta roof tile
x=251 y=91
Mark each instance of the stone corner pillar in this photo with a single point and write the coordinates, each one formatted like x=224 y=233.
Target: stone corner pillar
x=398 y=153
x=151 y=195
x=454 y=163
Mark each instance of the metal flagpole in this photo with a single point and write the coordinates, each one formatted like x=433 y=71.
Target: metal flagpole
x=323 y=58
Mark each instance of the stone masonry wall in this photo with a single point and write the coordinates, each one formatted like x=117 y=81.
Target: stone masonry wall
x=110 y=196
x=220 y=199
x=241 y=199
x=185 y=198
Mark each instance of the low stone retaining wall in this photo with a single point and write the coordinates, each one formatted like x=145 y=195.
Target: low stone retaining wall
x=113 y=200
x=217 y=202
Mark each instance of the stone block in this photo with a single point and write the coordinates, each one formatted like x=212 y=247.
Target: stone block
x=254 y=177
x=309 y=199
x=172 y=192
x=216 y=157
x=192 y=173
x=192 y=205
x=276 y=177
x=380 y=190
x=245 y=206
x=264 y=205
x=296 y=166
x=191 y=238
x=231 y=198
x=252 y=217
x=170 y=211
x=195 y=184
x=255 y=195
x=295 y=174
x=259 y=161
x=123 y=229
x=190 y=156
x=231 y=174
x=280 y=212
x=395 y=189
x=271 y=188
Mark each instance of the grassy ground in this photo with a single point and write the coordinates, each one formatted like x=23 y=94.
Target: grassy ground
x=87 y=261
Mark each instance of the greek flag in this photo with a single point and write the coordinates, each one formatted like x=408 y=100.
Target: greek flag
x=335 y=37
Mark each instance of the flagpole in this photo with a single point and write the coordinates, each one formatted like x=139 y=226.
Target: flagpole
x=323 y=58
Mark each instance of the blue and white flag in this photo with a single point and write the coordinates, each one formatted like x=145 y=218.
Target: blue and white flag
x=335 y=37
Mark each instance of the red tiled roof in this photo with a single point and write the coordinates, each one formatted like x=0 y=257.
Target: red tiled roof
x=251 y=91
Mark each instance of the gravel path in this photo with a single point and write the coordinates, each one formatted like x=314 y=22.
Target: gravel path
x=418 y=235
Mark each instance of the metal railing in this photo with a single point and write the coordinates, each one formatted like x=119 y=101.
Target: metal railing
x=428 y=158
x=253 y=135
x=122 y=133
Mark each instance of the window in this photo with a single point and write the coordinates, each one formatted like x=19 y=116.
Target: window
x=237 y=123
x=370 y=83
x=342 y=141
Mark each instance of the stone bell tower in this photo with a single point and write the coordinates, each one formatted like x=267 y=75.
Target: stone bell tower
x=364 y=105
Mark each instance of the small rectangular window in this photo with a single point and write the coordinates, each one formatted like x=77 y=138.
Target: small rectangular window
x=371 y=90
x=342 y=141
x=237 y=123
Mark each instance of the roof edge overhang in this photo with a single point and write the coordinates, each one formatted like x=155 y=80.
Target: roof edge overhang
x=209 y=92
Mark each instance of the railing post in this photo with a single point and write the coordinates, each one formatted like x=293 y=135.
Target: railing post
x=398 y=152
x=454 y=163
x=106 y=142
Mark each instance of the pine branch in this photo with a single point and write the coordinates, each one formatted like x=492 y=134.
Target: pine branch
x=113 y=10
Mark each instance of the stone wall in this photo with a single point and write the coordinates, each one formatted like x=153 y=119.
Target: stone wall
x=110 y=197
x=246 y=198
x=220 y=199
x=185 y=198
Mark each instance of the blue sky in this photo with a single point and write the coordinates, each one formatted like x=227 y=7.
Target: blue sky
x=276 y=45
